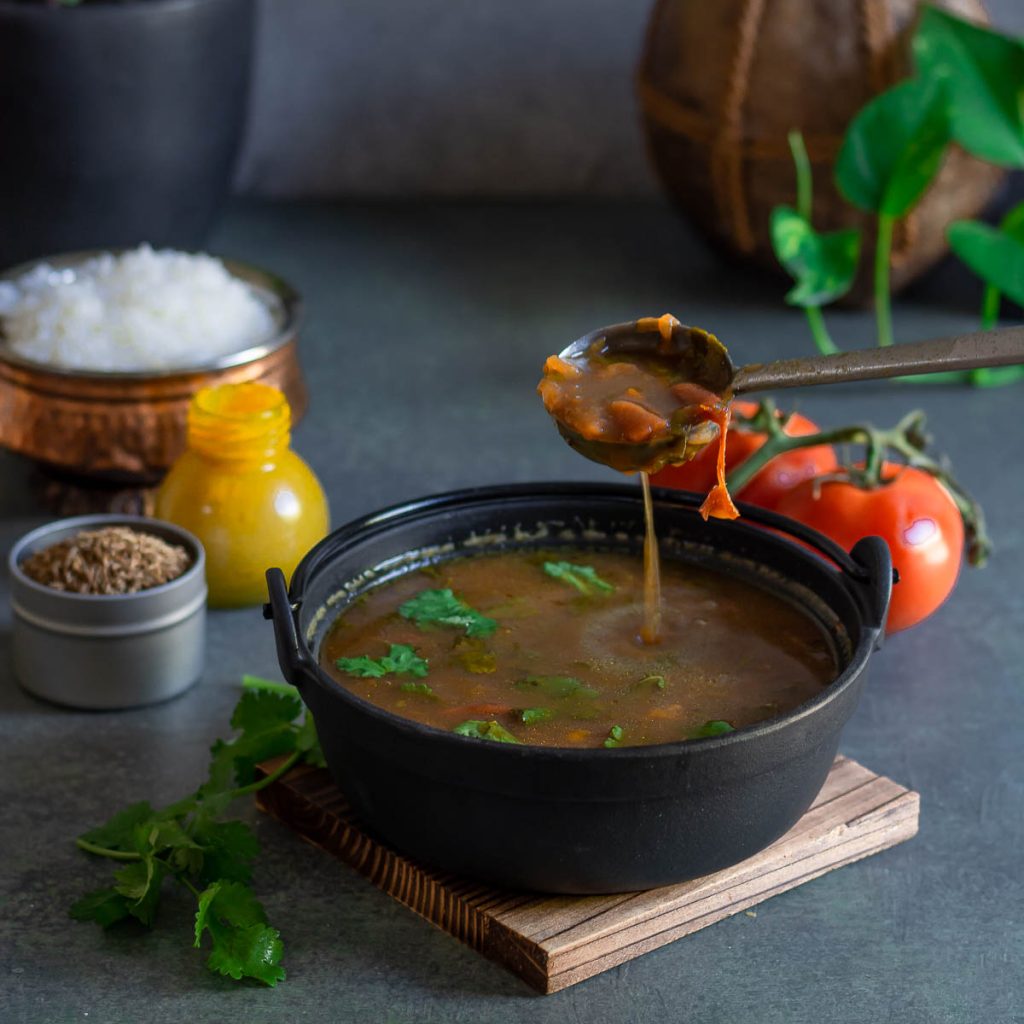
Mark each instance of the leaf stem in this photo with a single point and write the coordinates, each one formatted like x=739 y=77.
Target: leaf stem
x=105 y=851
x=883 y=300
x=283 y=768
x=822 y=339
x=804 y=175
x=986 y=377
x=180 y=876
x=804 y=207
x=990 y=304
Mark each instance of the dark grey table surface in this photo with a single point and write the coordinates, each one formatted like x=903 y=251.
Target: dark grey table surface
x=426 y=327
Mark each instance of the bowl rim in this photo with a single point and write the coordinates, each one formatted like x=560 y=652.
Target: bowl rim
x=143 y=524
x=781 y=531
x=264 y=283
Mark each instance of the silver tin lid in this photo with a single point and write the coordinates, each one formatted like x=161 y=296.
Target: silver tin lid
x=106 y=615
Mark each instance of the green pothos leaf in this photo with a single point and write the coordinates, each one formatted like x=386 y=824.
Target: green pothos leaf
x=823 y=265
x=893 y=147
x=995 y=254
x=983 y=72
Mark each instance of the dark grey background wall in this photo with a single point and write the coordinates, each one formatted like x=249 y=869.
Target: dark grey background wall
x=454 y=97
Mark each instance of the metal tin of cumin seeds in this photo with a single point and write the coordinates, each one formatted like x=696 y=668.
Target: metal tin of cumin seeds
x=105 y=651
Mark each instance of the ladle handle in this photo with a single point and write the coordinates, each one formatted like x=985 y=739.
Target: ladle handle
x=1003 y=347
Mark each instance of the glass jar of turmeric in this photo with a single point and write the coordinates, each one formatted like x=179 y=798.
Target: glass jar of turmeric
x=242 y=491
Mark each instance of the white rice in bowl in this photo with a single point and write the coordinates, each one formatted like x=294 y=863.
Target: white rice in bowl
x=137 y=311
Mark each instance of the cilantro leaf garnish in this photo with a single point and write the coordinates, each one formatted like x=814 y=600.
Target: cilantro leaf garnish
x=712 y=728
x=210 y=857
x=474 y=656
x=423 y=689
x=583 y=577
x=485 y=731
x=556 y=686
x=401 y=660
x=614 y=738
x=650 y=683
x=530 y=716
x=443 y=608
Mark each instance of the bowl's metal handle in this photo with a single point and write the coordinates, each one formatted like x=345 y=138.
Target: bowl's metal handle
x=291 y=653
x=875 y=589
x=867 y=567
x=850 y=567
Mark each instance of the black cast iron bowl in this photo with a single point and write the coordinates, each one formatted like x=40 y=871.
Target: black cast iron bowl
x=571 y=820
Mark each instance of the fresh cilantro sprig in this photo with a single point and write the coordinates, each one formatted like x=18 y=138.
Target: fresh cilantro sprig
x=401 y=660
x=443 y=608
x=190 y=842
x=583 y=577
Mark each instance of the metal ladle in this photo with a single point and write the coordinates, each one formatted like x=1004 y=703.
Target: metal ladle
x=700 y=358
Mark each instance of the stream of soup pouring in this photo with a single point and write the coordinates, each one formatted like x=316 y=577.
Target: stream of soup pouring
x=650 y=631
x=718 y=504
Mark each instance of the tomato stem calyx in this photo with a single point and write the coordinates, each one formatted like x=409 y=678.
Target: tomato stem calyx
x=907 y=441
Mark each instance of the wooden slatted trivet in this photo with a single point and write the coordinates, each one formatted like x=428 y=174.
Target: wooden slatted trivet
x=556 y=941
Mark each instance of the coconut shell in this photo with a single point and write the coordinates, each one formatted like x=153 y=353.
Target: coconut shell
x=721 y=85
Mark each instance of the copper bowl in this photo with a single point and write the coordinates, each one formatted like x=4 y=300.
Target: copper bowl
x=130 y=426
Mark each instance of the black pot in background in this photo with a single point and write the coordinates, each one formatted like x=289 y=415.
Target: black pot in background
x=121 y=123
x=556 y=819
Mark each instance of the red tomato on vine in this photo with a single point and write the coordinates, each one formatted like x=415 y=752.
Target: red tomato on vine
x=781 y=474
x=911 y=511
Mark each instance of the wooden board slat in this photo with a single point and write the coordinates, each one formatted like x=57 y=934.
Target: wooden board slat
x=553 y=942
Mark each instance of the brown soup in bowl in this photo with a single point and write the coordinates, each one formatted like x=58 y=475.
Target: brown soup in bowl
x=543 y=648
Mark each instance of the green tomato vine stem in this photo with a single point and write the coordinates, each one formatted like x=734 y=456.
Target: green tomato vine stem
x=907 y=440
